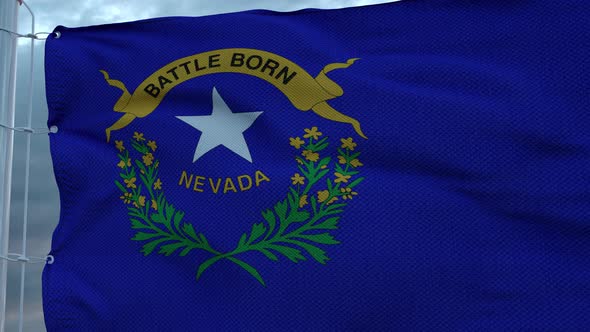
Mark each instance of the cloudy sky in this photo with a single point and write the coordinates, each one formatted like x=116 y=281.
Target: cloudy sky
x=44 y=201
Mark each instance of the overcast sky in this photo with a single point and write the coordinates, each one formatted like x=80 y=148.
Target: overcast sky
x=44 y=201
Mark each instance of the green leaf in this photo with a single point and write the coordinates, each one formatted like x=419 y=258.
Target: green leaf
x=324 y=162
x=186 y=251
x=136 y=224
x=158 y=218
x=303 y=171
x=169 y=249
x=139 y=147
x=321 y=144
x=248 y=268
x=140 y=165
x=329 y=184
x=332 y=212
x=257 y=231
x=149 y=248
x=294 y=192
x=321 y=175
x=269 y=216
x=293 y=203
x=144 y=180
x=281 y=210
x=203 y=240
x=120 y=186
x=169 y=208
x=242 y=240
x=136 y=215
x=269 y=255
x=292 y=254
x=321 y=147
x=318 y=254
x=314 y=204
x=299 y=216
x=324 y=238
x=355 y=182
x=160 y=201
x=207 y=264
x=138 y=193
x=177 y=219
x=188 y=229
x=331 y=223
x=140 y=236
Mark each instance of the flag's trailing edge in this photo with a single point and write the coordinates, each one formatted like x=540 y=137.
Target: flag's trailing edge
x=425 y=163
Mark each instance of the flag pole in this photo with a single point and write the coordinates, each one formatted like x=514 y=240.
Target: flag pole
x=8 y=44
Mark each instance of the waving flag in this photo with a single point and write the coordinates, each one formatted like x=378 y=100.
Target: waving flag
x=421 y=165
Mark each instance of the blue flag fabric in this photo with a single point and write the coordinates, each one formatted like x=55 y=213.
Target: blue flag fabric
x=421 y=165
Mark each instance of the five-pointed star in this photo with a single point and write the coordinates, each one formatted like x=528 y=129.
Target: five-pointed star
x=222 y=127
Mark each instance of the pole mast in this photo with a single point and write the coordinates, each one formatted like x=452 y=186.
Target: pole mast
x=8 y=44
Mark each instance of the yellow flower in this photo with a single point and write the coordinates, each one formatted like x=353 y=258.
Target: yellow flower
x=299 y=161
x=303 y=201
x=119 y=146
x=141 y=200
x=131 y=183
x=127 y=198
x=348 y=143
x=323 y=195
x=296 y=142
x=122 y=164
x=152 y=145
x=148 y=159
x=341 y=160
x=298 y=179
x=154 y=205
x=305 y=152
x=138 y=136
x=312 y=156
x=341 y=178
x=356 y=163
x=313 y=132
x=158 y=184
x=324 y=166
x=347 y=193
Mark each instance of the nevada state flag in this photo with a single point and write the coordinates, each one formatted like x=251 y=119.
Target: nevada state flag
x=419 y=165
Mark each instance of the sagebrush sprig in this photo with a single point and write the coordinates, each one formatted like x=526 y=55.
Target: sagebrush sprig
x=155 y=220
x=298 y=225
x=291 y=228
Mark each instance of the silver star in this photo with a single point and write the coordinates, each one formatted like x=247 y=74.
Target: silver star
x=222 y=127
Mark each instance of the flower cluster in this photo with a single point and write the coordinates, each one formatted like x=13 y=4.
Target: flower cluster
x=132 y=190
x=314 y=166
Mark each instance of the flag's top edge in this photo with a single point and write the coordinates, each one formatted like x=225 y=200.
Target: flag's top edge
x=252 y=11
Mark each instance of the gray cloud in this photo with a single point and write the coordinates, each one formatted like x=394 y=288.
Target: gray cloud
x=44 y=199
x=73 y=13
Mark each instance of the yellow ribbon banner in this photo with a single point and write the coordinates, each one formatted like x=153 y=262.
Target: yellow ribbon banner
x=304 y=91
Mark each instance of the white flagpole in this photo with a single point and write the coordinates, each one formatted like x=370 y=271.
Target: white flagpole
x=8 y=21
